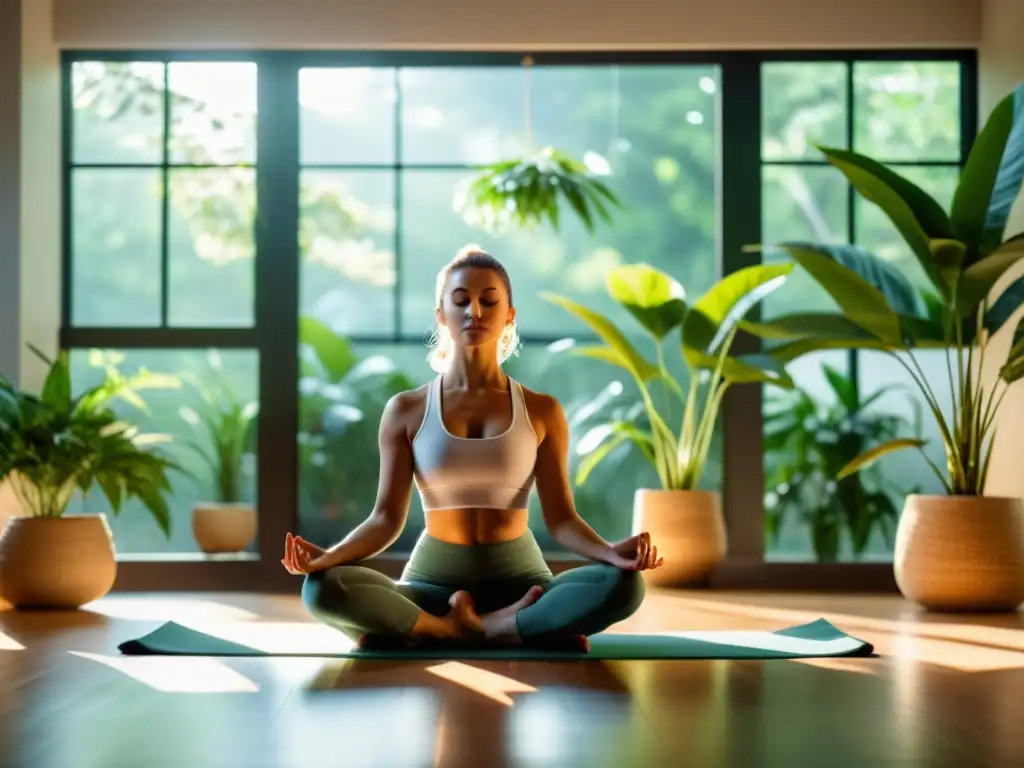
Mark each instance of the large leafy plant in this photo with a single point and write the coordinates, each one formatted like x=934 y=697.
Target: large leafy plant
x=341 y=400
x=706 y=329
x=53 y=444
x=964 y=254
x=225 y=424
x=808 y=441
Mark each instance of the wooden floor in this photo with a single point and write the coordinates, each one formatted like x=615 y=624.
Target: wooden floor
x=943 y=691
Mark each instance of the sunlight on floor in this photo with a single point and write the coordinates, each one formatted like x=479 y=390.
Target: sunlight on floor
x=962 y=646
x=168 y=609
x=8 y=643
x=177 y=674
x=490 y=684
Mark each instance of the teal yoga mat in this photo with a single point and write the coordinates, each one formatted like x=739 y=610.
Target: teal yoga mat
x=816 y=639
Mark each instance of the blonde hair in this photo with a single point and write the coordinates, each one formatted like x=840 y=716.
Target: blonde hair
x=441 y=344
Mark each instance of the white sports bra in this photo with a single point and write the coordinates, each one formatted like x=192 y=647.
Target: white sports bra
x=463 y=472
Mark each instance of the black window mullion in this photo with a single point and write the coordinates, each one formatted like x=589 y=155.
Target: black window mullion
x=399 y=229
x=739 y=217
x=165 y=204
x=852 y=355
x=277 y=300
x=67 y=198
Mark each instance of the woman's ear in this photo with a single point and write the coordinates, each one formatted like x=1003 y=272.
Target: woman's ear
x=511 y=316
x=439 y=316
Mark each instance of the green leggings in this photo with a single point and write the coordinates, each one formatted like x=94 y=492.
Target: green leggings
x=580 y=601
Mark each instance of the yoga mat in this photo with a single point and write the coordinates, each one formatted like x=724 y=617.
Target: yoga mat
x=814 y=640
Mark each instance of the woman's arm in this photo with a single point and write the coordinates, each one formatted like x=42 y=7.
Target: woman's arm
x=554 y=490
x=394 y=489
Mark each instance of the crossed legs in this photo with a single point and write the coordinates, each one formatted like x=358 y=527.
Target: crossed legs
x=364 y=603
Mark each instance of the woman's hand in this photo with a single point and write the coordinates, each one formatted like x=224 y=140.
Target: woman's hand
x=635 y=554
x=300 y=556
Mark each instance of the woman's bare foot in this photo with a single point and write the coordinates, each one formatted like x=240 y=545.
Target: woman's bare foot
x=497 y=627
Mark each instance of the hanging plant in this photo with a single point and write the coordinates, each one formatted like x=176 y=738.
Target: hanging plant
x=526 y=191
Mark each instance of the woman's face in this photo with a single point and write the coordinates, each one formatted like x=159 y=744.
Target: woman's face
x=475 y=306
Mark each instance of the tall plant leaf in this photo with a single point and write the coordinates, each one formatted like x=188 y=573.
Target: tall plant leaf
x=802 y=324
x=916 y=331
x=610 y=334
x=869 y=457
x=757 y=368
x=654 y=298
x=1013 y=369
x=928 y=214
x=914 y=213
x=611 y=436
x=991 y=179
x=843 y=271
x=790 y=351
x=1003 y=308
x=978 y=279
x=715 y=314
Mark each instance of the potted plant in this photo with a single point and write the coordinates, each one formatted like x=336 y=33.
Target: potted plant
x=227 y=522
x=53 y=444
x=807 y=443
x=685 y=520
x=960 y=550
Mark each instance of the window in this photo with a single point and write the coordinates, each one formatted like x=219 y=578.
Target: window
x=383 y=153
x=271 y=224
x=160 y=246
x=907 y=114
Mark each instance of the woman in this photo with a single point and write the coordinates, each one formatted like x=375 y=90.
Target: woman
x=474 y=442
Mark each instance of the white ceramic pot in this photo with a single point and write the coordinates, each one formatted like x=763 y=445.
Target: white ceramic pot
x=223 y=528
x=56 y=562
x=961 y=553
x=689 y=531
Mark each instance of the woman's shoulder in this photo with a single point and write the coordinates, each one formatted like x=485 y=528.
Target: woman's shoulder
x=542 y=406
x=406 y=408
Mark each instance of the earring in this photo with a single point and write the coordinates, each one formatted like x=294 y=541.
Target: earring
x=506 y=339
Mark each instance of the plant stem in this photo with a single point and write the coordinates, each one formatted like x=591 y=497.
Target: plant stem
x=933 y=405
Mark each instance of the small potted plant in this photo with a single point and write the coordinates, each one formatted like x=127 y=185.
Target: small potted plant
x=807 y=443
x=962 y=550
x=685 y=520
x=52 y=445
x=226 y=430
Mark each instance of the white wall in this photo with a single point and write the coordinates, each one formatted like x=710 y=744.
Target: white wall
x=1002 y=62
x=534 y=24
x=10 y=192
x=40 y=188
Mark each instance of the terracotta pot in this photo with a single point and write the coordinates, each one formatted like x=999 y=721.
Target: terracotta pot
x=223 y=528
x=56 y=562
x=689 y=531
x=961 y=553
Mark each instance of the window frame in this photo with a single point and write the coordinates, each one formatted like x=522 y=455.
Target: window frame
x=274 y=332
